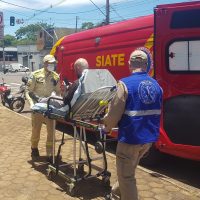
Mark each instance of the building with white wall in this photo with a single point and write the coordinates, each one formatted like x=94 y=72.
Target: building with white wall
x=10 y=56
x=29 y=56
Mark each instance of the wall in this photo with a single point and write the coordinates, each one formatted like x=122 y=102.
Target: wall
x=29 y=56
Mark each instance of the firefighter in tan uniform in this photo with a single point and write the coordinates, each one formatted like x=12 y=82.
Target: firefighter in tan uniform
x=42 y=83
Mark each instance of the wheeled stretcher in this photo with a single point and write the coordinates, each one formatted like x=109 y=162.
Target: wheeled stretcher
x=85 y=115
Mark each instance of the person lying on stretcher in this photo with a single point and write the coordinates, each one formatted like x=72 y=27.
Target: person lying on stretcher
x=70 y=93
x=89 y=81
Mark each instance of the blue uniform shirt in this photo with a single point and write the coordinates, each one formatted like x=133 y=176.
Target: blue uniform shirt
x=141 y=120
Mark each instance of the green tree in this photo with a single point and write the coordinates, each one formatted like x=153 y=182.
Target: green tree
x=87 y=25
x=9 y=40
x=29 y=33
x=90 y=25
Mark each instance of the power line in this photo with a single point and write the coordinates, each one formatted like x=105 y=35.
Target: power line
x=97 y=7
x=42 y=11
x=52 y=12
x=17 y=13
x=39 y=19
x=113 y=7
x=133 y=15
x=128 y=2
x=20 y=6
x=63 y=21
x=117 y=13
x=133 y=3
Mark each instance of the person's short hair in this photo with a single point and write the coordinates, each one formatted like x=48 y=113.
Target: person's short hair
x=82 y=62
x=49 y=58
x=138 y=58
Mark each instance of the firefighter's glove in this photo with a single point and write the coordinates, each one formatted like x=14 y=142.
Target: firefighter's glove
x=104 y=130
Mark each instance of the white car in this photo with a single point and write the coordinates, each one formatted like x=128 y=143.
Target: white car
x=7 y=68
x=17 y=67
x=24 y=69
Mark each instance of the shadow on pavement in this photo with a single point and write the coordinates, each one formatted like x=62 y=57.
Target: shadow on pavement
x=85 y=189
x=185 y=171
x=40 y=164
x=91 y=137
x=26 y=111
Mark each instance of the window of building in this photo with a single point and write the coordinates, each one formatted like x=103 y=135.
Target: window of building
x=9 y=56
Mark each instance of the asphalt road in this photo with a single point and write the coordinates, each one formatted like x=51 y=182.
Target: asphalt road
x=177 y=169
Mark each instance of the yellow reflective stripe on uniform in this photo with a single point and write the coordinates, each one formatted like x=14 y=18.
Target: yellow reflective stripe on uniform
x=134 y=113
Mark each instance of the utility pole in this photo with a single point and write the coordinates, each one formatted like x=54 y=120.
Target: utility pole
x=107 y=12
x=76 y=24
x=4 y=67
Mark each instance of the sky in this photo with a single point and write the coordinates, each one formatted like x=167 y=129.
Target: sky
x=63 y=13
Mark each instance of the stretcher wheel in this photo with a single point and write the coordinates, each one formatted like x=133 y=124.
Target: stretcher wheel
x=49 y=175
x=72 y=189
x=99 y=147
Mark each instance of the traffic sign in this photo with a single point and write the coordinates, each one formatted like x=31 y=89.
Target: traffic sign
x=1 y=26
x=19 y=21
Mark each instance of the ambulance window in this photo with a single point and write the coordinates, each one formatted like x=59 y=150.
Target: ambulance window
x=184 y=56
x=185 y=19
x=194 y=55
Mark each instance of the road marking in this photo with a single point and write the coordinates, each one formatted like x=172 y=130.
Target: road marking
x=10 y=84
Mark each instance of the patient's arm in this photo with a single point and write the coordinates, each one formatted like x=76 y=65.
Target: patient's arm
x=69 y=93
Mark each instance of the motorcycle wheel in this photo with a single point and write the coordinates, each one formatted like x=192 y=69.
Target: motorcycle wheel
x=2 y=100
x=17 y=104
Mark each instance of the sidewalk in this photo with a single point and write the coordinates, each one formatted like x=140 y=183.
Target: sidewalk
x=23 y=179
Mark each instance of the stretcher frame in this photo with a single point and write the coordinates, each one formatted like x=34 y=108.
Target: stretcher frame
x=86 y=117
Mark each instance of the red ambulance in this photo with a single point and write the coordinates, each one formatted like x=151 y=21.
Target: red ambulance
x=172 y=38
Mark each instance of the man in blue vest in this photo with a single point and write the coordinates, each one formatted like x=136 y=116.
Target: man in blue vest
x=136 y=110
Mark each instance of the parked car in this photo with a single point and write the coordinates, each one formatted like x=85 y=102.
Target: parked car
x=7 y=68
x=24 y=69
x=17 y=67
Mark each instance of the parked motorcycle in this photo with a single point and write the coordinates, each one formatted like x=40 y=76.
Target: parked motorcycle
x=3 y=91
x=14 y=102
